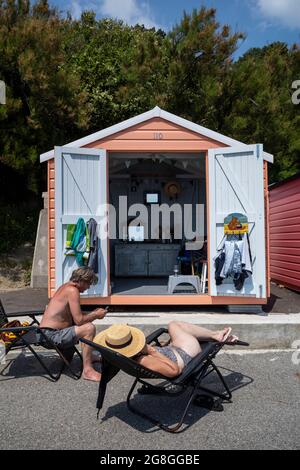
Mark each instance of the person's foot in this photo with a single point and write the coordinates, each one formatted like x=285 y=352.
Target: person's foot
x=91 y=374
x=224 y=335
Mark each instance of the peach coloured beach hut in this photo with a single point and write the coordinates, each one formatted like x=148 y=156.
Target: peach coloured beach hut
x=163 y=158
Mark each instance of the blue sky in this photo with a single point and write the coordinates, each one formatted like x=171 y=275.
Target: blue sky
x=264 y=21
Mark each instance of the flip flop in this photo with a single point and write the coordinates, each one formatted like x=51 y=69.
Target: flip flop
x=168 y=390
x=225 y=337
x=97 y=360
x=232 y=339
x=209 y=403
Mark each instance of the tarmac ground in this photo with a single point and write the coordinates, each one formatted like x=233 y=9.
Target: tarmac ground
x=264 y=414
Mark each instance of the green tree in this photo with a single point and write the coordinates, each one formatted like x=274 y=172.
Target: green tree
x=44 y=100
x=117 y=65
x=261 y=105
x=200 y=53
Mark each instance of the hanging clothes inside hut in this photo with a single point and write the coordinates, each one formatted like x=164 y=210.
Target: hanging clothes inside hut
x=77 y=242
x=234 y=260
x=93 y=245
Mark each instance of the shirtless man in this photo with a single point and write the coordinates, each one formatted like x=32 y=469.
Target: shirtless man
x=64 y=323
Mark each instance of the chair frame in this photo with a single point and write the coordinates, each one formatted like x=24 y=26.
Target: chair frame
x=21 y=341
x=191 y=377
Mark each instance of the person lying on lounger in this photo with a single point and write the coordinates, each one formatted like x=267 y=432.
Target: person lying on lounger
x=168 y=360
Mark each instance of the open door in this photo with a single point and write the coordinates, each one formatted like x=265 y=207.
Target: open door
x=236 y=185
x=80 y=191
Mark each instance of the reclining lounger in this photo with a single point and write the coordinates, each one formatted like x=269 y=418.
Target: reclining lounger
x=192 y=375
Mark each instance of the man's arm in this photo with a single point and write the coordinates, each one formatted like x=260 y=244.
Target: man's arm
x=78 y=317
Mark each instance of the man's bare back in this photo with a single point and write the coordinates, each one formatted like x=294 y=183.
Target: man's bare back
x=64 y=308
x=57 y=314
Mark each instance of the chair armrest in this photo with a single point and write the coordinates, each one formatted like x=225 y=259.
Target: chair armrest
x=153 y=336
x=32 y=314
x=25 y=314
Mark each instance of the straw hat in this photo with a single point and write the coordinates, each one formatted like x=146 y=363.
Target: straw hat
x=124 y=339
x=172 y=188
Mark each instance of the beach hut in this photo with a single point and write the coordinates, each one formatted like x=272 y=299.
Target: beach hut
x=160 y=159
x=285 y=232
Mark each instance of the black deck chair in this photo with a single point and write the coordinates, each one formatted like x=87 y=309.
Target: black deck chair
x=191 y=377
x=34 y=336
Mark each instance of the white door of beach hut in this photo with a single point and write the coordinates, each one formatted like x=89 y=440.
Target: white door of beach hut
x=236 y=186
x=80 y=191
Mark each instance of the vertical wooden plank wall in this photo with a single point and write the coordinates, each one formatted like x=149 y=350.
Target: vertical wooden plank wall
x=285 y=233
x=209 y=267
x=51 y=228
x=267 y=229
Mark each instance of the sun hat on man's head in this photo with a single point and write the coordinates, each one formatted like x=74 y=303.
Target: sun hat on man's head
x=124 y=339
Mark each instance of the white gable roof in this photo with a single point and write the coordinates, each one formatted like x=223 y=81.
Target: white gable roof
x=153 y=113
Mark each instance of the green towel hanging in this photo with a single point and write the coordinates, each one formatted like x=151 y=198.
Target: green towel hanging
x=78 y=243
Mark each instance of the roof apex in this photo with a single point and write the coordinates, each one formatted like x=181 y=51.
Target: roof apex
x=152 y=113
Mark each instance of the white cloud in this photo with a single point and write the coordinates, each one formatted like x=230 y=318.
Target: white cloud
x=286 y=12
x=76 y=9
x=130 y=11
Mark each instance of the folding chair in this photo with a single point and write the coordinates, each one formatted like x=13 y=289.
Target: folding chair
x=191 y=377
x=33 y=335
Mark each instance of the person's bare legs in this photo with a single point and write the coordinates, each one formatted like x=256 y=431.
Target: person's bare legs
x=88 y=331
x=186 y=336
